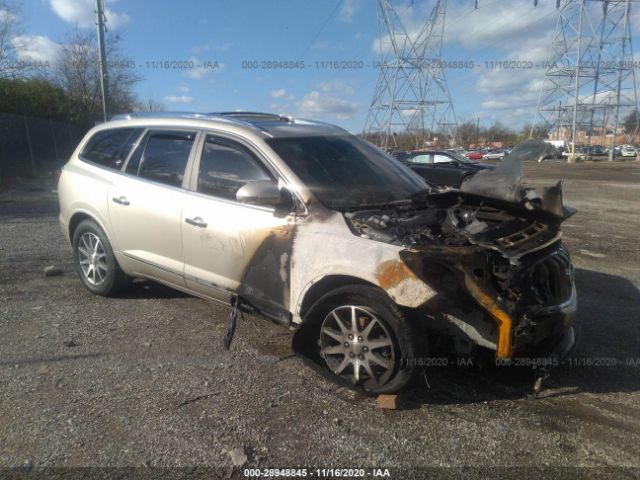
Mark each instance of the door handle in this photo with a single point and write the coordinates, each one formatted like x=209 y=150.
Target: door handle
x=196 y=222
x=122 y=200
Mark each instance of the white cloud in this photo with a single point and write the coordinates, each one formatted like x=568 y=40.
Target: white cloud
x=202 y=69
x=184 y=89
x=6 y=16
x=182 y=99
x=282 y=94
x=210 y=46
x=82 y=13
x=329 y=98
x=35 y=48
x=348 y=10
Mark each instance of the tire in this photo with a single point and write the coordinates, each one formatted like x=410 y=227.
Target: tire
x=384 y=349
x=466 y=178
x=94 y=260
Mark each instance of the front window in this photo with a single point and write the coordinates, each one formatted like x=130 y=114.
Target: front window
x=344 y=171
x=226 y=167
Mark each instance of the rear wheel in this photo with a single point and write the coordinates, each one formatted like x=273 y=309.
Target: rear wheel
x=363 y=338
x=94 y=260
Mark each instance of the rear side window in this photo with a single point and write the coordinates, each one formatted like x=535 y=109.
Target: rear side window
x=109 y=148
x=441 y=159
x=225 y=167
x=165 y=157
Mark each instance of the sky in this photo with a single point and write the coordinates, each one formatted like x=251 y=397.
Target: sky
x=221 y=49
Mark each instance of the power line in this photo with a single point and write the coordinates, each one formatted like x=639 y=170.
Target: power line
x=324 y=25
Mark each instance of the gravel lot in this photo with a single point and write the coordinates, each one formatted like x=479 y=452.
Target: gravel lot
x=142 y=380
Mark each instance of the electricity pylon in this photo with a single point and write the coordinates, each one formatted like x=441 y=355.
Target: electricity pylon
x=411 y=95
x=589 y=81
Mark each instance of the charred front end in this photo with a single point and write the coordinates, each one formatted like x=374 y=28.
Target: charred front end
x=503 y=277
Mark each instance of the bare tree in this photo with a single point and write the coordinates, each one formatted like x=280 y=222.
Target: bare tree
x=78 y=73
x=10 y=25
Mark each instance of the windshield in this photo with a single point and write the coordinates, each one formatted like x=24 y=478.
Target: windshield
x=346 y=171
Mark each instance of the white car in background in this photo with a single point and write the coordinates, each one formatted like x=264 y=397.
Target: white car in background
x=496 y=155
x=628 y=151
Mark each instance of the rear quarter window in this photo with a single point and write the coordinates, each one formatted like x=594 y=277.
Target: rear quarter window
x=109 y=148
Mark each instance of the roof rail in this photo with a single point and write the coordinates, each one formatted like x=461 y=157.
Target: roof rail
x=255 y=116
x=129 y=116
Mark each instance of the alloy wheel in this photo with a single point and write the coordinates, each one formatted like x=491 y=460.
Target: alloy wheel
x=92 y=258
x=357 y=346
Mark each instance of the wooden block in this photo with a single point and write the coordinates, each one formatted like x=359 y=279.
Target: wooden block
x=389 y=402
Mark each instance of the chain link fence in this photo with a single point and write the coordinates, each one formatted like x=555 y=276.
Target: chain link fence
x=32 y=145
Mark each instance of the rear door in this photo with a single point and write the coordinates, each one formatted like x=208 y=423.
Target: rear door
x=232 y=247
x=145 y=205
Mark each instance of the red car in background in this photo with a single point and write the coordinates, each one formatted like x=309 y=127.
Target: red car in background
x=476 y=154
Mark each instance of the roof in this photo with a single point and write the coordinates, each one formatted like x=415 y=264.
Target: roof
x=271 y=124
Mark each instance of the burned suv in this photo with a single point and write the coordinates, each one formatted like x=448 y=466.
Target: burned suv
x=315 y=228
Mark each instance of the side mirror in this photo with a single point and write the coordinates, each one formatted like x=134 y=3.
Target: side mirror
x=262 y=192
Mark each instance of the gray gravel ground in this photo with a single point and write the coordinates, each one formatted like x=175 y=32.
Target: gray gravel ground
x=142 y=380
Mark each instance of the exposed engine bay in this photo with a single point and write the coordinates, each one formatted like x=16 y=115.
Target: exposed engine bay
x=504 y=251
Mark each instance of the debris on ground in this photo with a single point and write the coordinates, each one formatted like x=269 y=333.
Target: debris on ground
x=52 y=271
x=388 y=402
x=238 y=456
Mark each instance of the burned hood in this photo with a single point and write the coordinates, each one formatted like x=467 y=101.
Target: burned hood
x=504 y=183
x=497 y=212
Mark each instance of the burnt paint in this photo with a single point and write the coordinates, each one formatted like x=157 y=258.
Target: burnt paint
x=265 y=282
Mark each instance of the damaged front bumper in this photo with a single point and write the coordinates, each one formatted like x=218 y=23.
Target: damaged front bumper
x=519 y=315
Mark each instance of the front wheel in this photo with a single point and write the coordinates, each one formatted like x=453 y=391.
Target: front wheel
x=94 y=260
x=364 y=338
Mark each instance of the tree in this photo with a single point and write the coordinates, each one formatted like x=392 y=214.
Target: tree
x=10 y=67
x=77 y=71
x=631 y=122
x=467 y=133
x=539 y=130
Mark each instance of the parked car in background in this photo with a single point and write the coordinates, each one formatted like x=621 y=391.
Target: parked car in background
x=475 y=154
x=494 y=155
x=628 y=151
x=443 y=168
x=581 y=153
x=596 y=150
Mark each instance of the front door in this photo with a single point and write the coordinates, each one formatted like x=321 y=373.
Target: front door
x=232 y=247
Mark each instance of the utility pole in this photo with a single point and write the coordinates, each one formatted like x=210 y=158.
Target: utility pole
x=102 y=53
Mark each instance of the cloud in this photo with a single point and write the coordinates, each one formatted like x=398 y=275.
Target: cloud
x=348 y=10
x=329 y=98
x=211 y=47
x=183 y=89
x=282 y=94
x=202 y=69
x=182 y=99
x=35 y=48
x=82 y=13
x=6 y=16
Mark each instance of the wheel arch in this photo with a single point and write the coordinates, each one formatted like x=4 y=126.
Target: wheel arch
x=327 y=284
x=81 y=215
